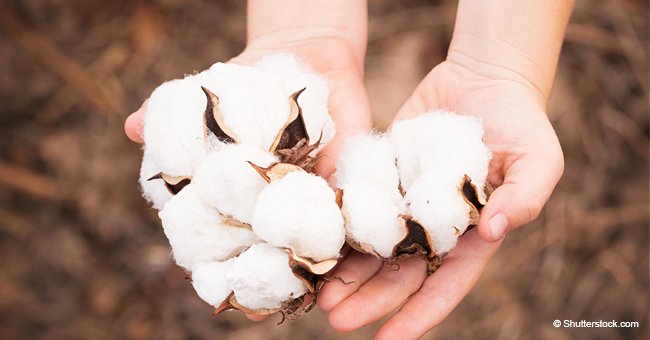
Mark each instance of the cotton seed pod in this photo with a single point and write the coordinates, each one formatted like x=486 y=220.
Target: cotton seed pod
x=225 y=180
x=210 y=281
x=262 y=280
x=252 y=122
x=445 y=205
x=299 y=212
x=198 y=233
x=372 y=218
x=295 y=76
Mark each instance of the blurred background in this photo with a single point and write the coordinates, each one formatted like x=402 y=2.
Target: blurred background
x=85 y=257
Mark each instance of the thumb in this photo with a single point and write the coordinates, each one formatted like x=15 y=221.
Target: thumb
x=528 y=183
x=133 y=124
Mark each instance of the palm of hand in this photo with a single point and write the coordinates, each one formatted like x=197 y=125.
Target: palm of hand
x=522 y=141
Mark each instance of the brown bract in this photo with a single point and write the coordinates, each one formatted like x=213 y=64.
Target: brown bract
x=469 y=192
x=316 y=267
x=291 y=144
x=275 y=171
x=232 y=222
x=174 y=184
x=213 y=120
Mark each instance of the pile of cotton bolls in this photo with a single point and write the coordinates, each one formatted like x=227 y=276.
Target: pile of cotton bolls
x=415 y=190
x=228 y=160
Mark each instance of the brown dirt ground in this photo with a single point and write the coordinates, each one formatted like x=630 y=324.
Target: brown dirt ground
x=85 y=257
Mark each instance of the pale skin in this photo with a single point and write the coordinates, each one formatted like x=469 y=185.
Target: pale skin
x=500 y=67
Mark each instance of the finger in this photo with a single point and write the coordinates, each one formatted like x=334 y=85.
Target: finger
x=379 y=296
x=355 y=270
x=255 y=317
x=442 y=291
x=527 y=185
x=134 y=124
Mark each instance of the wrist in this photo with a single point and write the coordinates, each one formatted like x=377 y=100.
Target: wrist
x=512 y=40
x=297 y=25
x=324 y=54
x=497 y=60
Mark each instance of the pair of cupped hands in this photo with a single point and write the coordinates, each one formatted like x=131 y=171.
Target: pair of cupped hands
x=526 y=164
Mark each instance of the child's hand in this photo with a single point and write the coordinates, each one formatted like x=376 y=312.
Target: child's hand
x=526 y=164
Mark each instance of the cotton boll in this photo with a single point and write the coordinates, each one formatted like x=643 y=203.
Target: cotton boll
x=262 y=279
x=154 y=192
x=299 y=211
x=372 y=216
x=227 y=182
x=173 y=126
x=197 y=233
x=369 y=158
x=441 y=138
x=313 y=101
x=454 y=141
x=253 y=103
x=435 y=201
x=210 y=281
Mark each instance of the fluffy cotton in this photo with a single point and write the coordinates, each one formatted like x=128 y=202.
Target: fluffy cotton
x=227 y=182
x=252 y=102
x=367 y=158
x=299 y=211
x=313 y=101
x=196 y=232
x=372 y=216
x=262 y=279
x=210 y=281
x=435 y=201
x=154 y=191
x=173 y=125
x=441 y=138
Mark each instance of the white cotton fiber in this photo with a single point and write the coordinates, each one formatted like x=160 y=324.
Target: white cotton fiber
x=210 y=281
x=154 y=191
x=367 y=158
x=299 y=211
x=253 y=102
x=404 y=137
x=173 y=126
x=435 y=201
x=313 y=100
x=262 y=279
x=196 y=232
x=227 y=182
x=372 y=217
x=441 y=138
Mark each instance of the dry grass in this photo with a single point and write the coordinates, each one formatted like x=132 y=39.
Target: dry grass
x=85 y=257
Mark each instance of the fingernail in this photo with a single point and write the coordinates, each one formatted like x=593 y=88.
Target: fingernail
x=498 y=226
